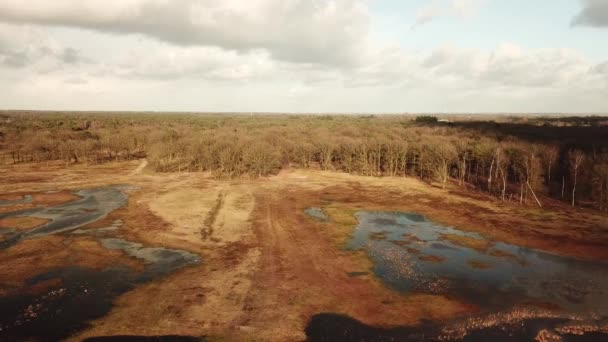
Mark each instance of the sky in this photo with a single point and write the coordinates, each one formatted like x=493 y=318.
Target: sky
x=305 y=56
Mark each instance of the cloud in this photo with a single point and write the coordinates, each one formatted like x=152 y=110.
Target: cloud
x=601 y=68
x=21 y=46
x=209 y=63
x=594 y=14
x=466 y=8
x=383 y=66
x=440 y=8
x=510 y=66
x=289 y=55
x=540 y=68
x=306 y=31
x=428 y=13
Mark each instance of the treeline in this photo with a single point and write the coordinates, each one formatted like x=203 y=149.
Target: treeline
x=483 y=156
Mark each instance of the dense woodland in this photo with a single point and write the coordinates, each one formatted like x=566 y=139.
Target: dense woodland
x=522 y=160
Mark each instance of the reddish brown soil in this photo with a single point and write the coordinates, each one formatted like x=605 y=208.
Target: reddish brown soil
x=22 y=223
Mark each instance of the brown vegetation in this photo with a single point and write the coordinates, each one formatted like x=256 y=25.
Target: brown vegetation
x=523 y=162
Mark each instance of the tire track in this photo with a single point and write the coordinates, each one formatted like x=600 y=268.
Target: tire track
x=209 y=222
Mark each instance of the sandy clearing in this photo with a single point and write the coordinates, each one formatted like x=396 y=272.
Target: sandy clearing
x=231 y=223
x=185 y=210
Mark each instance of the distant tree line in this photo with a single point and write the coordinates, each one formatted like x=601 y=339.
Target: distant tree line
x=488 y=157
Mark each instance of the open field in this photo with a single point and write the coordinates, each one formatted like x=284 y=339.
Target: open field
x=266 y=267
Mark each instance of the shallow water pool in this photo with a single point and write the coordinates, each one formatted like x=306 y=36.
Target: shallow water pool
x=316 y=213
x=412 y=254
x=73 y=295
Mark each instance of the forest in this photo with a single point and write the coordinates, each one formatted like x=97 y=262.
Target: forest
x=526 y=160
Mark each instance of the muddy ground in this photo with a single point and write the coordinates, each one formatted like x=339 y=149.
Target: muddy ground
x=267 y=267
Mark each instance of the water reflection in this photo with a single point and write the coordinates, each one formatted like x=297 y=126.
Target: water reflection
x=68 y=297
x=411 y=253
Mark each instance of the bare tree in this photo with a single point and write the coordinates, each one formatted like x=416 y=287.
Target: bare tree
x=551 y=154
x=326 y=150
x=576 y=158
x=261 y=159
x=441 y=156
x=600 y=184
x=463 y=158
x=502 y=170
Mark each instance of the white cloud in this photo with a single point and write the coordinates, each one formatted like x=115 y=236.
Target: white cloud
x=440 y=8
x=449 y=72
x=467 y=8
x=22 y=46
x=311 y=31
x=512 y=66
x=210 y=63
x=428 y=13
x=290 y=55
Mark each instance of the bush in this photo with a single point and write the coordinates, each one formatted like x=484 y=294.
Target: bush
x=428 y=119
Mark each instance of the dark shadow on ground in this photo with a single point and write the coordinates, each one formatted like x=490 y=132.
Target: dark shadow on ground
x=335 y=327
x=126 y=338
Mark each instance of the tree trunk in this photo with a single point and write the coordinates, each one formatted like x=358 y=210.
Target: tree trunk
x=490 y=176
x=504 y=185
x=574 y=185
x=533 y=194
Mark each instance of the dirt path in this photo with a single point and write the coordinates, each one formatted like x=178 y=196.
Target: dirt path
x=142 y=165
x=303 y=272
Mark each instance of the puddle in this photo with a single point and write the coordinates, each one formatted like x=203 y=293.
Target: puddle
x=83 y=294
x=61 y=311
x=75 y=295
x=316 y=213
x=159 y=261
x=411 y=254
x=93 y=205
